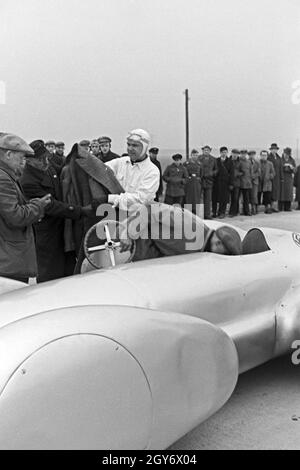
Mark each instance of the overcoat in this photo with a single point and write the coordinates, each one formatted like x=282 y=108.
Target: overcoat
x=277 y=180
x=246 y=176
x=84 y=178
x=287 y=184
x=297 y=183
x=223 y=180
x=193 y=184
x=267 y=174
x=236 y=183
x=210 y=170
x=17 y=246
x=49 y=231
x=175 y=177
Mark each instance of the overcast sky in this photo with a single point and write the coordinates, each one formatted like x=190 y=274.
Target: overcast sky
x=77 y=69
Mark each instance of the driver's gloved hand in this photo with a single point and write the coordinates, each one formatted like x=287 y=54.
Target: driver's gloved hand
x=125 y=245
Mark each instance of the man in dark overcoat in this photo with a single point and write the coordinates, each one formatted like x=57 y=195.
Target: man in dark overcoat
x=210 y=170
x=38 y=179
x=275 y=158
x=17 y=215
x=175 y=175
x=246 y=181
x=193 y=187
x=223 y=182
x=57 y=159
x=236 y=183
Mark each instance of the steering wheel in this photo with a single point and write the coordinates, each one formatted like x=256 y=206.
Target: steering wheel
x=102 y=246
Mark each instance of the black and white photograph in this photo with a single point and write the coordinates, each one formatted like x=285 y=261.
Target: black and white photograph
x=149 y=227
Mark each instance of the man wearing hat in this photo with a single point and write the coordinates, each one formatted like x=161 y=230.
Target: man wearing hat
x=276 y=183
x=287 y=184
x=153 y=152
x=106 y=154
x=235 y=188
x=223 y=182
x=85 y=144
x=266 y=177
x=50 y=146
x=176 y=176
x=255 y=181
x=57 y=159
x=193 y=187
x=39 y=179
x=95 y=148
x=210 y=171
x=17 y=246
x=246 y=181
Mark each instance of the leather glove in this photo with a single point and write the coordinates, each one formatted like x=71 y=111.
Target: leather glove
x=126 y=245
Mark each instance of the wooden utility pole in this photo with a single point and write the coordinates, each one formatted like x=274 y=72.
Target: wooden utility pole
x=187 y=128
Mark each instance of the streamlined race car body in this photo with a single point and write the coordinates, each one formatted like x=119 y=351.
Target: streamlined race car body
x=137 y=355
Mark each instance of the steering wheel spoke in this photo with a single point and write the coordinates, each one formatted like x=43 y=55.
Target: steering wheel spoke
x=112 y=257
x=94 y=249
x=107 y=233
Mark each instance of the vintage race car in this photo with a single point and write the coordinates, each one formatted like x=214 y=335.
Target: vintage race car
x=135 y=356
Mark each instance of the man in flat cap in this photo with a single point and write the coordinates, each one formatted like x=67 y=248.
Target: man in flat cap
x=193 y=187
x=267 y=174
x=222 y=183
x=255 y=181
x=106 y=154
x=236 y=183
x=176 y=177
x=57 y=159
x=153 y=153
x=210 y=171
x=95 y=148
x=275 y=158
x=50 y=146
x=17 y=215
x=39 y=179
x=85 y=144
x=246 y=181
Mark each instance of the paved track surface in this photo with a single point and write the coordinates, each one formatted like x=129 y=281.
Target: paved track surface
x=264 y=410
